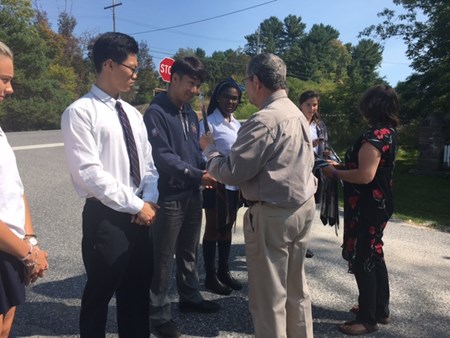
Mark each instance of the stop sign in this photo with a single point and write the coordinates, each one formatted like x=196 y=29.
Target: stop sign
x=164 y=68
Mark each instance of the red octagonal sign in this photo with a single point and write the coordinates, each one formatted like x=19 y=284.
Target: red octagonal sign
x=164 y=68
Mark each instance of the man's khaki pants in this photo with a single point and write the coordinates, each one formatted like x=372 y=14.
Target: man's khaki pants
x=276 y=240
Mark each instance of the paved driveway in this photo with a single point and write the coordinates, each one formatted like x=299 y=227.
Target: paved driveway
x=418 y=260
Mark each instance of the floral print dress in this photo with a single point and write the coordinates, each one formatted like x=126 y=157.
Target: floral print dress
x=368 y=207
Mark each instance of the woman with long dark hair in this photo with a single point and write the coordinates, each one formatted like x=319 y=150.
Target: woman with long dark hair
x=308 y=102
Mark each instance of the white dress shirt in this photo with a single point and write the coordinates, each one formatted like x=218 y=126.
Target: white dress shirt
x=224 y=133
x=97 y=155
x=12 y=205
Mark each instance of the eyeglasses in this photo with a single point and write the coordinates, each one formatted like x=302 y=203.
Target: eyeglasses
x=232 y=98
x=134 y=70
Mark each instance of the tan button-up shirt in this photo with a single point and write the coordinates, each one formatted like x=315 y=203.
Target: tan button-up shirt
x=272 y=158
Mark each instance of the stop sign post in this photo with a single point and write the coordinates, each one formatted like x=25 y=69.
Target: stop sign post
x=164 y=68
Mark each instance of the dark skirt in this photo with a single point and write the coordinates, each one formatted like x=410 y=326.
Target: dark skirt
x=209 y=199
x=12 y=289
x=225 y=202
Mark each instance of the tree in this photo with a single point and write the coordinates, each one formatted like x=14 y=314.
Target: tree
x=268 y=38
x=294 y=30
x=366 y=58
x=319 y=52
x=39 y=99
x=223 y=64
x=146 y=81
x=425 y=28
x=197 y=52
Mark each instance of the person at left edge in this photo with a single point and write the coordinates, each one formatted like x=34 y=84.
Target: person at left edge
x=173 y=130
x=21 y=260
x=119 y=209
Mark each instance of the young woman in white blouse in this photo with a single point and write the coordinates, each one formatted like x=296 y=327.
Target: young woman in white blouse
x=221 y=203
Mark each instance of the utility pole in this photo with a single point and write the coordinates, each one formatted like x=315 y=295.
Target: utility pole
x=258 y=45
x=113 y=6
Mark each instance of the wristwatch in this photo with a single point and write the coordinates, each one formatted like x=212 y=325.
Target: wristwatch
x=32 y=239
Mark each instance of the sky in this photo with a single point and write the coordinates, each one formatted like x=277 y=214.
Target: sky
x=221 y=25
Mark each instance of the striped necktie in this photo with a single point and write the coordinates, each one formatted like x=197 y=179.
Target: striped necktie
x=131 y=145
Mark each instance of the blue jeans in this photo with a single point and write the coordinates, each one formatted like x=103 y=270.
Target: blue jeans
x=176 y=231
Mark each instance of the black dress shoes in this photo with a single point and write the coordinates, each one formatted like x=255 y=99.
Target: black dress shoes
x=213 y=284
x=226 y=278
x=205 y=306
x=168 y=330
x=309 y=253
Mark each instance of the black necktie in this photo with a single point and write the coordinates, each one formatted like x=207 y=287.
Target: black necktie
x=131 y=145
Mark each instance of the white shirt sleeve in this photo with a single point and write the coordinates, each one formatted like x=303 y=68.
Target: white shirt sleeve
x=98 y=159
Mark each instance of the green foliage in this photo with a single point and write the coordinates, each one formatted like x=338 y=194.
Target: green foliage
x=223 y=64
x=245 y=110
x=39 y=106
x=366 y=58
x=65 y=77
x=183 y=52
x=51 y=69
x=270 y=38
x=424 y=25
x=146 y=80
x=38 y=99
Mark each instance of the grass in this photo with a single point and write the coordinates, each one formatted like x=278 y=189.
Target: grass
x=420 y=198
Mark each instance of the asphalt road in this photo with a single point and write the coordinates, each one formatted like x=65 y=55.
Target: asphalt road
x=418 y=260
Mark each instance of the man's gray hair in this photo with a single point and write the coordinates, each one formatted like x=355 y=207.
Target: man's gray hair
x=270 y=69
x=5 y=51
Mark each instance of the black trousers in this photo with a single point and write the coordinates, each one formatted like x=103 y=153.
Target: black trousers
x=373 y=283
x=117 y=255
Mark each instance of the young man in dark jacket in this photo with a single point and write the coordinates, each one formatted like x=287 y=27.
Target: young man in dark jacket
x=173 y=131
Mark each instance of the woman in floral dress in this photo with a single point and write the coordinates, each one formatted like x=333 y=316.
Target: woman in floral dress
x=368 y=205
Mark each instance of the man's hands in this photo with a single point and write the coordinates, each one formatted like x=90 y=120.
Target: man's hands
x=208 y=182
x=146 y=216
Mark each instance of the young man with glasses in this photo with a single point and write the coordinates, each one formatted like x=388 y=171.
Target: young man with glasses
x=111 y=165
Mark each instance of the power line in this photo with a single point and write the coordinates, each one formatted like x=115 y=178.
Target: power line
x=203 y=20
x=182 y=33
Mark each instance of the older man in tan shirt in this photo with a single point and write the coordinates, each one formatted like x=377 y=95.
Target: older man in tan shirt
x=272 y=162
